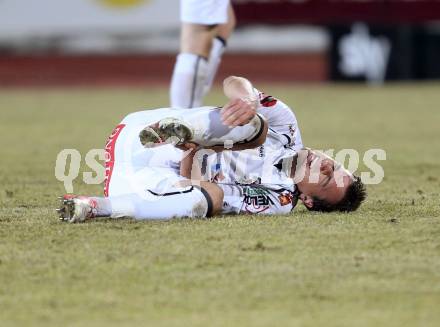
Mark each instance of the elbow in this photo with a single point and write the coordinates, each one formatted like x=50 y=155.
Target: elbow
x=228 y=80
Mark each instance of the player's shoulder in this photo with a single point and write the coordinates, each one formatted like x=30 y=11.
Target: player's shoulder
x=270 y=102
x=274 y=109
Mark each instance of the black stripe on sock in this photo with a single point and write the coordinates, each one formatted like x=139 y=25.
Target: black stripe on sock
x=194 y=84
x=222 y=40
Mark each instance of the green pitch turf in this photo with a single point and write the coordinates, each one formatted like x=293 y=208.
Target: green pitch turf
x=377 y=267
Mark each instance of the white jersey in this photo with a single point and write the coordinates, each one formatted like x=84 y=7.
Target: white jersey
x=258 y=187
x=137 y=166
x=204 y=12
x=257 y=165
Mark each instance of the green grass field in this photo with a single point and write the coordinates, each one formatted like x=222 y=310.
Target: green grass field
x=377 y=267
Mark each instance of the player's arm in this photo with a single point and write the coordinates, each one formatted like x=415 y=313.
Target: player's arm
x=256 y=141
x=186 y=164
x=279 y=117
x=240 y=110
x=243 y=101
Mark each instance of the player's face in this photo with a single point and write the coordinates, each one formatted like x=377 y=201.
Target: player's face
x=318 y=175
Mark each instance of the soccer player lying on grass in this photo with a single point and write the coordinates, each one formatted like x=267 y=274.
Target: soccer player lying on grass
x=146 y=183
x=249 y=178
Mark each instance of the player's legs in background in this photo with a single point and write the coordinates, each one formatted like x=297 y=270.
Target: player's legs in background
x=201 y=21
x=191 y=67
x=218 y=47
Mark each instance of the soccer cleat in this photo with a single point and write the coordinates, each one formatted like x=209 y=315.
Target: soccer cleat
x=166 y=131
x=76 y=209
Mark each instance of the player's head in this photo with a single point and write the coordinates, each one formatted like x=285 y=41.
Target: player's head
x=325 y=185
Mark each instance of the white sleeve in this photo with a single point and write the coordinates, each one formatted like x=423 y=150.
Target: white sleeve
x=281 y=120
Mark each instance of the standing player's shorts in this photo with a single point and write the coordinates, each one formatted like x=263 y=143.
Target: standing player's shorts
x=257 y=199
x=204 y=12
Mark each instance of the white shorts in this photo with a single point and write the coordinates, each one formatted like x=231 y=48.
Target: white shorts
x=152 y=175
x=204 y=12
x=179 y=202
x=257 y=199
x=143 y=184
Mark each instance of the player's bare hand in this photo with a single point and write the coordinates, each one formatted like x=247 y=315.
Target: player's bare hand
x=238 y=112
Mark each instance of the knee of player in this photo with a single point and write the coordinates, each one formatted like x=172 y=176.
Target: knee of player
x=214 y=198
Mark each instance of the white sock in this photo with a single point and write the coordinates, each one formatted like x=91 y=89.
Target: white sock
x=188 y=203
x=209 y=129
x=188 y=81
x=103 y=208
x=215 y=57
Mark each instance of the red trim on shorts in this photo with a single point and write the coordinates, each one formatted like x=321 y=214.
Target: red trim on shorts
x=110 y=156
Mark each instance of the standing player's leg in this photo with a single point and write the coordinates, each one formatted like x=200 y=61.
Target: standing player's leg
x=218 y=47
x=191 y=67
x=200 y=25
